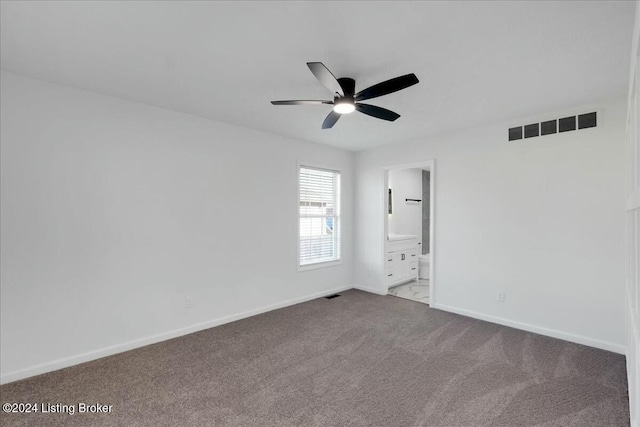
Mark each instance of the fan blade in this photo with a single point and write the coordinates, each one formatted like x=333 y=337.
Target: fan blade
x=325 y=77
x=377 y=112
x=301 y=102
x=387 y=87
x=331 y=120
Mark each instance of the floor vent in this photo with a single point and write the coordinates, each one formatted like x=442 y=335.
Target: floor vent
x=549 y=127
x=333 y=296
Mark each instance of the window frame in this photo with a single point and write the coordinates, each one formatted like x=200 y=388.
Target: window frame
x=318 y=264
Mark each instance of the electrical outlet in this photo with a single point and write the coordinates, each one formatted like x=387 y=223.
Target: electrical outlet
x=188 y=303
x=501 y=296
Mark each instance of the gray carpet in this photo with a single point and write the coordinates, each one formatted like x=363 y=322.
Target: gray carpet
x=356 y=360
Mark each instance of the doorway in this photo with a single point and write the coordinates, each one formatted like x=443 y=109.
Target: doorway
x=409 y=251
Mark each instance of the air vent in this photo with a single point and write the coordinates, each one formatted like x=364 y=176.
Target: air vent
x=515 y=133
x=333 y=296
x=587 y=121
x=532 y=130
x=567 y=124
x=549 y=127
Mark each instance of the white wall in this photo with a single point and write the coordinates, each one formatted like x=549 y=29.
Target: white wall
x=632 y=298
x=541 y=219
x=406 y=217
x=114 y=212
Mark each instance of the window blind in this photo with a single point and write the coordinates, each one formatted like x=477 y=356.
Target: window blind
x=319 y=209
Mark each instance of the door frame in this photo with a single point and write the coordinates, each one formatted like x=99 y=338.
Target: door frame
x=429 y=165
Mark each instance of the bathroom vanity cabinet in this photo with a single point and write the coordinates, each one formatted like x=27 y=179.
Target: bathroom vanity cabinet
x=401 y=263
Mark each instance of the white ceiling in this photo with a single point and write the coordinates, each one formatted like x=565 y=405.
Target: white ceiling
x=477 y=61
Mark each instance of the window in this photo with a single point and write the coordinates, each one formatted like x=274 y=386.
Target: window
x=319 y=209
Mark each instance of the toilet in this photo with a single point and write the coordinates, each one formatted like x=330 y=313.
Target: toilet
x=423 y=266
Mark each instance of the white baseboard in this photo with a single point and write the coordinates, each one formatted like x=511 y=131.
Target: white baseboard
x=130 y=345
x=371 y=290
x=579 y=339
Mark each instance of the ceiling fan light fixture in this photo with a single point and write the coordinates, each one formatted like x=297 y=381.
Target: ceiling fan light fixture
x=344 y=108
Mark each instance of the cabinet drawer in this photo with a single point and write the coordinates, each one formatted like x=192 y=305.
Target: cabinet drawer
x=402 y=245
x=413 y=268
x=401 y=257
x=390 y=273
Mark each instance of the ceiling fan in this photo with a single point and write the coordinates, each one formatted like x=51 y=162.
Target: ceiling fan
x=346 y=101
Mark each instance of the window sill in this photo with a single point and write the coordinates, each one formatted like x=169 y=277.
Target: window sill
x=318 y=265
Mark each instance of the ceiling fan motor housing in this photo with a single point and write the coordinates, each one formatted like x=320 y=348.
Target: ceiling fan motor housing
x=349 y=88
